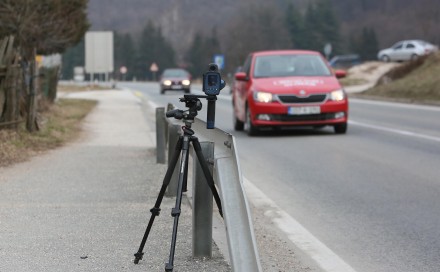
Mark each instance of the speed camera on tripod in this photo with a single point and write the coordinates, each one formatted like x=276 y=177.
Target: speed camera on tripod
x=212 y=80
x=212 y=84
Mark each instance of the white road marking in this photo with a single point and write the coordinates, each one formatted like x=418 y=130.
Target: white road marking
x=395 y=104
x=397 y=131
x=301 y=237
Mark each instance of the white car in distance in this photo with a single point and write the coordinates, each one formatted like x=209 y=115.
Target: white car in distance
x=406 y=50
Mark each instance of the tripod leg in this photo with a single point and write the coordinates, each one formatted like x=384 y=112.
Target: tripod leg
x=185 y=179
x=175 y=212
x=156 y=209
x=208 y=176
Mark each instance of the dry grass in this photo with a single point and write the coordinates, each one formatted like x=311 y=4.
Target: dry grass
x=80 y=88
x=59 y=124
x=416 y=81
x=352 y=81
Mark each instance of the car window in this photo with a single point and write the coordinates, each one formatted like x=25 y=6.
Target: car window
x=247 y=65
x=397 y=47
x=410 y=45
x=290 y=65
x=175 y=73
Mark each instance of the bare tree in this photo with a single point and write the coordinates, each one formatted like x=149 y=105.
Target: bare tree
x=43 y=27
x=47 y=26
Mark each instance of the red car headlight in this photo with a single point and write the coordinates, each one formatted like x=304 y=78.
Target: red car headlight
x=263 y=97
x=337 y=95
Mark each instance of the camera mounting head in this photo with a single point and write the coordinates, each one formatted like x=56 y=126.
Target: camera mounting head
x=192 y=102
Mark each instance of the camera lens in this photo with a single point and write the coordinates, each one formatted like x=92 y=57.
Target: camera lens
x=212 y=80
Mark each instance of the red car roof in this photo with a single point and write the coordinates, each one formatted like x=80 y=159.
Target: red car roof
x=282 y=52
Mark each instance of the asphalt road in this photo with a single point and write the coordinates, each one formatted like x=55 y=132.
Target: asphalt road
x=371 y=196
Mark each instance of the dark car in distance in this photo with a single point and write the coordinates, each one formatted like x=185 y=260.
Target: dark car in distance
x=175 y=79
x=345 y=61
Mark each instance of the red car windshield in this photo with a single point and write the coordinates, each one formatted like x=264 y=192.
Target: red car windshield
x=290 y=65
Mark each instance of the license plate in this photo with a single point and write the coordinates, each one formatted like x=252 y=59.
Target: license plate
x=304 y=110
x=176 y=87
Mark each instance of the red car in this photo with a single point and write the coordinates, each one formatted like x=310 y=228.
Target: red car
x=288 y=88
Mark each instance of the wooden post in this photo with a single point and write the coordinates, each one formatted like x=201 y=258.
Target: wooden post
x=31 y=124
x=8 y=59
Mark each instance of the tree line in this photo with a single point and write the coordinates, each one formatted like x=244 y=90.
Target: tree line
x=138 y=53
x=258 y=27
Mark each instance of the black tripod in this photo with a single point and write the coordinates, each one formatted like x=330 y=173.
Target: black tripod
x=182 y=151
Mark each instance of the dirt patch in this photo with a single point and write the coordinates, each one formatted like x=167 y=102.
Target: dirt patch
x=367 y=73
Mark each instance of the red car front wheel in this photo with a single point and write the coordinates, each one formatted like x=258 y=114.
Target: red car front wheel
x=249 y=127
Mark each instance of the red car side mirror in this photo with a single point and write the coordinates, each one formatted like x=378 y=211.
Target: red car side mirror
x=340 y=73
x=241 y=76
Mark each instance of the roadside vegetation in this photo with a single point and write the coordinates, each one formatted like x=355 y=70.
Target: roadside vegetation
x=416 y=81
x=59 y=124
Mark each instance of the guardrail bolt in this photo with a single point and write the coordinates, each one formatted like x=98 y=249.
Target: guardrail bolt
x=228 y=144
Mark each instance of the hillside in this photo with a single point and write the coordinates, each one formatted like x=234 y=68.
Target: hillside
x=180 y=19
x=411 y=82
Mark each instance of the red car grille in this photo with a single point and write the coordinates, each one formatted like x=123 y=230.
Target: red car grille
x=293 y=99
x=299 y=118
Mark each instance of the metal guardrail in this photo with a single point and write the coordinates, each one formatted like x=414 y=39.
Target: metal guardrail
x=221 y=150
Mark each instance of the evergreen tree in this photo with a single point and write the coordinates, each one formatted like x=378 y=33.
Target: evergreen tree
x=310 y=28
x=129 y=56
x=153 y=48
x=321 y=26
x=145 y=52
x=197 y=55
x=213 y=45
x=74 y=56
x=354 y=43
x=365 y=44
x=201 y=52
x=165 y=51
x=125 y=55
x=328 y=25
x=295 y=27
x=372 y=45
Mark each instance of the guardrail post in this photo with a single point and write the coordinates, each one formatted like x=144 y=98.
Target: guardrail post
x=160 y=135
x=173 y=137
x=202 y=205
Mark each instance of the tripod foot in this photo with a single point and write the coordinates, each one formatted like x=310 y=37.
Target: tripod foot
x=169 y=267
x=137 y=257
